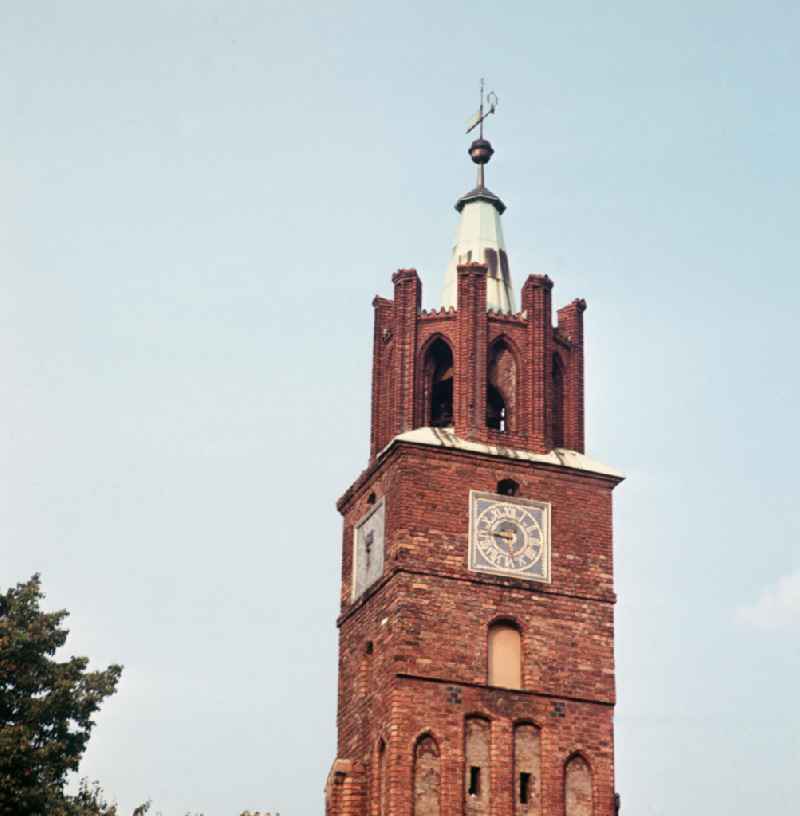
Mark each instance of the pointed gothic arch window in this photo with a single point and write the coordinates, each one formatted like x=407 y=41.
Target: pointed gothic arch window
x=427 y=777
x=501 y=388
x=578 y=798
x=438 y=384
x=557 y=403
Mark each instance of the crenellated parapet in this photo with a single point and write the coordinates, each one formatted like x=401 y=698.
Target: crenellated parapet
x=503 y=378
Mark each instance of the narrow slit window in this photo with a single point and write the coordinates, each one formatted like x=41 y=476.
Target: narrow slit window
x=524 y=788
x=474 y=781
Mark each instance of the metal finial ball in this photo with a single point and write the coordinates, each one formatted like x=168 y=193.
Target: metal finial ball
x=481 y=151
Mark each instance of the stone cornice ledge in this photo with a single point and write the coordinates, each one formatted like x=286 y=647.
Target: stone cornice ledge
x=559 y=457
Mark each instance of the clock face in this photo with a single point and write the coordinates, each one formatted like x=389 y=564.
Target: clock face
x=509 y=536
x=368 y=549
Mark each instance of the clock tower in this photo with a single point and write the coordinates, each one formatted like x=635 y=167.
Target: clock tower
x=476 y=632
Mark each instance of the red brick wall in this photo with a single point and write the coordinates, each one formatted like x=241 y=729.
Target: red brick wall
x=427 y=620
x=413 y=650
x=346 y=789
x=436 y=708
x=402 y=333
x=570 y=329
x=427 y=494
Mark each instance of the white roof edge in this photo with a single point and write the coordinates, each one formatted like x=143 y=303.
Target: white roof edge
x=445 y=438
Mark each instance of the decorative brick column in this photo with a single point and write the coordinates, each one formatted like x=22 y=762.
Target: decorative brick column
x=536 y=302
x=469 y=398
x=570 y=324
x=382 y=347
x=407 y=301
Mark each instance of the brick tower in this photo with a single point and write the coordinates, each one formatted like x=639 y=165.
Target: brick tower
x=476 y=634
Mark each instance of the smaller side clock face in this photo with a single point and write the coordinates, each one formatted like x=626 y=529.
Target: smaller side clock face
x=510 y=536
x=368 y=549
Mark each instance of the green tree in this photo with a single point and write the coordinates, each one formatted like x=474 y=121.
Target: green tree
x=46 y=709
x=88 y=801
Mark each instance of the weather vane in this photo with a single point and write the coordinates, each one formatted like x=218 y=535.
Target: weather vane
x=491 y=103
x=480 y=150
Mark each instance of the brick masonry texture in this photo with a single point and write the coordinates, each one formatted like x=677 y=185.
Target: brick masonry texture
x=403 y=335
x=414 y=705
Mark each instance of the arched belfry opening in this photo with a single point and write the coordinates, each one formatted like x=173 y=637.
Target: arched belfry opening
x=501 y=387
x=438 y=383
x=557 y=403
x=496 y=412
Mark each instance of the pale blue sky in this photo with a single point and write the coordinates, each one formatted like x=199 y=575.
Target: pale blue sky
x=198 y=201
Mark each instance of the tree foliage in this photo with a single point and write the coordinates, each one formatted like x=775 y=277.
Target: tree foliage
x=46 y=709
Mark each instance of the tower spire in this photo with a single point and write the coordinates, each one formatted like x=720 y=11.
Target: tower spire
x=480 y=234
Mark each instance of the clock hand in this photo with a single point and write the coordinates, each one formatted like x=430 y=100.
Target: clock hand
x=508 y=536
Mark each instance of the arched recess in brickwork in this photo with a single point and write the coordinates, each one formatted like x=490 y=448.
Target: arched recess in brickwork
x=380 y=779
x=527 y=770
x=578 y=796
x=505 y=654
x=502 y=386
x=427 y=777
x=477 y=771
x=435 y=408
x=557 y=402
x=508 y=487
